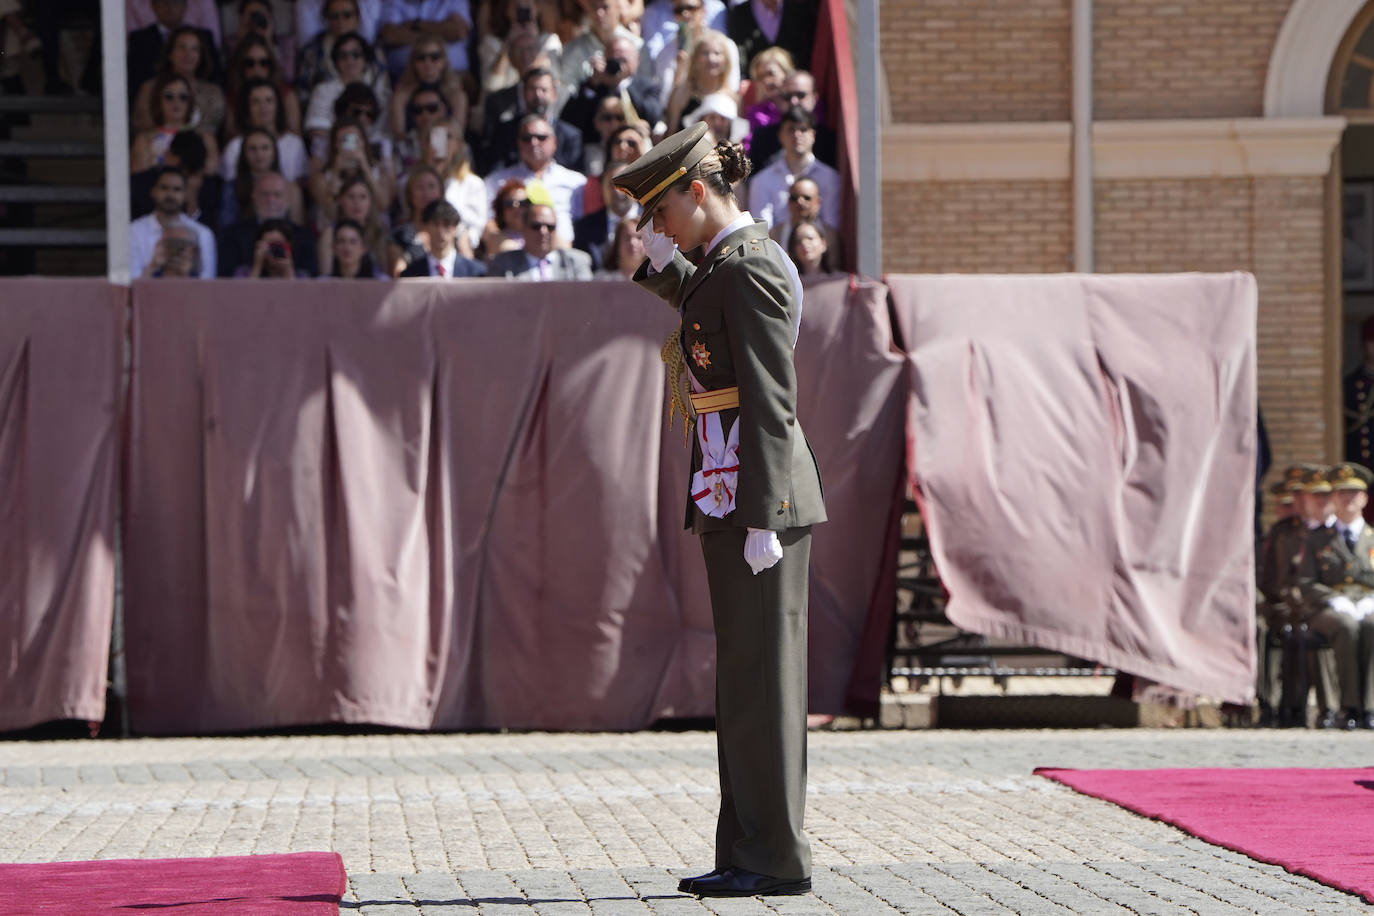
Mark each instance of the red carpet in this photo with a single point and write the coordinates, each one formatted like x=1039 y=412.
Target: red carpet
x=1313 y=822
x=298 y=884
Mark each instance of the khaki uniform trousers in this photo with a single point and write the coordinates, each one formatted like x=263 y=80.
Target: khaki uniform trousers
x=761 y=703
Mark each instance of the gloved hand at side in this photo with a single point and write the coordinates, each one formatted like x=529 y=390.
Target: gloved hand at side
x=762 y=549
x=657 y=246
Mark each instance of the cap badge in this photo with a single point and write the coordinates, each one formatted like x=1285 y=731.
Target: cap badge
x=700 y=355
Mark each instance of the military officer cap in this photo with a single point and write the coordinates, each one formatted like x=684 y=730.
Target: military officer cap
x=1292 y=478
x=1279 y=490
x=1350 y=476
x=650 y=176
x=1314 y=480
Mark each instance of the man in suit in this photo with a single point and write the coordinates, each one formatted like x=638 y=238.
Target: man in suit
x=615 y=75
x=145 y=45
x=1339 y=586
x=439 y=224
x=501 y=140
x=754 y=493
x=540 y=260
x=236 y=242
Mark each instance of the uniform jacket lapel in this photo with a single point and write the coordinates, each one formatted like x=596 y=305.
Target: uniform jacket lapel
x=720 y=253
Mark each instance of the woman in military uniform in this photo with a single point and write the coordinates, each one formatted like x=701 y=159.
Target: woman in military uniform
x=754 y=492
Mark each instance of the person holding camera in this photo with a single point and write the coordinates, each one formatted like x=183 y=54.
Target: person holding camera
x=272 y=254
x=615 y=74
x=603 y=25
x=159 y=243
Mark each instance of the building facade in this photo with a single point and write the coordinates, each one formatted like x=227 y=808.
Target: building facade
x=1226 y=135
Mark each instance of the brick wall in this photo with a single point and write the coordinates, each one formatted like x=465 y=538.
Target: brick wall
x=977 y=60
x=1182 y=58
x=977 y=227
x=1270 y=226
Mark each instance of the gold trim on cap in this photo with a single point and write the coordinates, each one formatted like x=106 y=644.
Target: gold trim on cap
x=674 y=176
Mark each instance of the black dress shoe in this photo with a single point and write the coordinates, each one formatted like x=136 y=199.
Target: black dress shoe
x=1344 y=720
x=737 y=882
x=685 y=885
x=1367 y=720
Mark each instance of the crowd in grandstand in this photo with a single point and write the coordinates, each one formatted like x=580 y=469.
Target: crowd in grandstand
x=455 y=138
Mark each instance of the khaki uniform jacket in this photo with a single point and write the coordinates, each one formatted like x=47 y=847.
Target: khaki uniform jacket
x=1331 y=568
x=737 y=321
x=1281 y=554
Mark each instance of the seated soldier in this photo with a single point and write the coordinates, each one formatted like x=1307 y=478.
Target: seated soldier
x=1273 y=570
x=1339 y=588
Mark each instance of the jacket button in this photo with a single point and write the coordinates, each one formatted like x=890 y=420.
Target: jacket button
x=784 y=504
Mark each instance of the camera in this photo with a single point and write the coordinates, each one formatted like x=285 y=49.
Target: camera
x=258 y=19
x=614 y=66
x=524 y=15
x=176 y=246
x=276 y=250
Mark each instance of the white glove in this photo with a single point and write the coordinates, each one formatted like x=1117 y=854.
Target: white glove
x=1343 y=604
x=1364 y=607
x=657 y=246
x=762 y=549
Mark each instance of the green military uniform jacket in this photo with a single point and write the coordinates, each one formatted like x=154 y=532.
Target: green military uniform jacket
x=737 y=330
x=1281 y=555
x=1332 y=568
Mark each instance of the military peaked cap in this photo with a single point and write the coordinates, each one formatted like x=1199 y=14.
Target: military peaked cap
x=650 y=176
x=1350 y=476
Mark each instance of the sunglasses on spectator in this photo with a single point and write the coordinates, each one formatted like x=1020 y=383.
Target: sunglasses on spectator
x=626 y=141
x=175 y=97
x=807 y=198
x=795 y=94
x=611 y=116
x=252 y=63
x=682 y=9
x=515 y=202
x=543 y=227
x=428 y=108
x=430 y=56
x=351 y=54
x=532 y=138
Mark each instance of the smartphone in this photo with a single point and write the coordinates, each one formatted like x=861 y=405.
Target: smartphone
x=524 y=15
x=349 y=142
x=613 y=66
x=438 y=142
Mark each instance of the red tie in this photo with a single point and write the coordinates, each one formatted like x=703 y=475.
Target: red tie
x=439 y=266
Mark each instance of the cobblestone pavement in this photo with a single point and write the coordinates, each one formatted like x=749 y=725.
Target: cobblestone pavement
x=554 y=825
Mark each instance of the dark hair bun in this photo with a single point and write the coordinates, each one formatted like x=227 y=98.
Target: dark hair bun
x=734 y=162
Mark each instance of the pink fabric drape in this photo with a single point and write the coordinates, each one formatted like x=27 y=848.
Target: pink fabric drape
x=60 y=346
x=1085 y=447
x=454 y=505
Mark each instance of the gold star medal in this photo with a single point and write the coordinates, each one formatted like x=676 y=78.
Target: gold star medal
x=701 y=355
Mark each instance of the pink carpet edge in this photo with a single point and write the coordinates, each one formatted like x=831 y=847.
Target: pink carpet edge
x=1062 y=775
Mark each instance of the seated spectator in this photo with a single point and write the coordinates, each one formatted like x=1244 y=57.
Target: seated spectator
x=447 y=152
x=610 y=116
x=603 y=24
x=808 y=249
x=721 y=115
x=155 y=253
x=256 y=17
x=269 y=201
x=507 y=104
x=539 y=93
x=798 y=91
x=707 y=72
x=319 y=23
x=563 y=186
x=763 y=101
x=272 y=254
x=663 y=30
x=511 y=43
x=768 y=189
x=147 y=44
x=173 y=110
x=351 y=258
x=615 y=76
x=803 y=204
x=350 y=55
x=427 y=106
x=358 y=103
x=505 y=231
x=255 y=60
x=204 y=193
x=184 y=54
x=356 y=201
x=261 y=103
x=625 y=144
x=564 y=18
x=427 y=68
x=624 y=253
x=405 y=22
x=259 y=157
x=760 y=24
x=203 y=14
x=540 y=260
x=421 y=186
x=591 y=232
x=349 y=154
x=439 y=225
x=691 y=22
